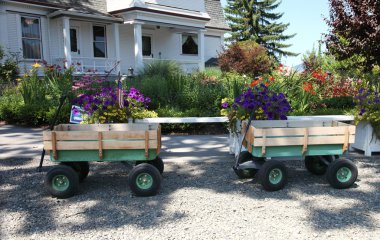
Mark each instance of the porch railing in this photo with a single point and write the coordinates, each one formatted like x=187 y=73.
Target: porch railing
x=84 y=65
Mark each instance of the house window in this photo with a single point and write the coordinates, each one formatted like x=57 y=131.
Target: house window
x=147 y=46
x=74 y=40
x=100 y=43
x=189 y=44
x=31 y=38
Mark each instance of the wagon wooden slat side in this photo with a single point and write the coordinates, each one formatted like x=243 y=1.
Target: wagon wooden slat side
x=74 y=146
x=287 y=138
x=320 y=143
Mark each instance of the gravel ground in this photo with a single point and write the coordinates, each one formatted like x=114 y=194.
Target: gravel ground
x=201 y=198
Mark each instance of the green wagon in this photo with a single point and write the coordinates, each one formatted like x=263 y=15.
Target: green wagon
x=318 y=143
x=75 y=146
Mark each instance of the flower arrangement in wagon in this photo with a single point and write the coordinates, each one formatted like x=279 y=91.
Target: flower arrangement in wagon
x=368 y=109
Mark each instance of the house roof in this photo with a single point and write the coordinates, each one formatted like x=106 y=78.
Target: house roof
x=99 y=7
x=215 y=10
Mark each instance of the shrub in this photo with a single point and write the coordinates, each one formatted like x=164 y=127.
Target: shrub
x=9 y=69
x=245 y=57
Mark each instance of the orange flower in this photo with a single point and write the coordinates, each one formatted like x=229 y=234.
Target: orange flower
x=254 y=83
x=308 y=87
x=267 y=84
x=271 y=78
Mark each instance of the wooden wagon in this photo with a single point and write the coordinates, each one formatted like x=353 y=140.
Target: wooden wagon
x=74 y=146
x=319 y=143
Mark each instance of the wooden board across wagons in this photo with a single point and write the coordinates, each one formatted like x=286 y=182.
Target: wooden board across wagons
x=74 y=146
x=320 y=143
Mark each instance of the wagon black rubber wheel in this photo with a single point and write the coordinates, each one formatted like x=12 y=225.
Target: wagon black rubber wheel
x=62 y=181
x=81 y=168
x=157 y=162
x=315 y=165
x=144 y=180
x=273 y=175
x=342 y=173
x=246 y=173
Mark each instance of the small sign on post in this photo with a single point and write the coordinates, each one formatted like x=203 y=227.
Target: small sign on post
x=76 y=115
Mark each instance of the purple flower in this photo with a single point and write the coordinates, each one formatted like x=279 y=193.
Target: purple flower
x=225 y=105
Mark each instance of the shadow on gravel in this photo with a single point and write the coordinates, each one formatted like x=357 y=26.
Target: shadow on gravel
x=105 y=201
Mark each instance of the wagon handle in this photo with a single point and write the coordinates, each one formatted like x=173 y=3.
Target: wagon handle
x=51 y=127
x=245 y=134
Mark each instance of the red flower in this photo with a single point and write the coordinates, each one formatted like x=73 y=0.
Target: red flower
x=254 y=83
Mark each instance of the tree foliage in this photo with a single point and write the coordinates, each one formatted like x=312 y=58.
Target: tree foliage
x=255 y=20
x=355 y=30
x=246 y=57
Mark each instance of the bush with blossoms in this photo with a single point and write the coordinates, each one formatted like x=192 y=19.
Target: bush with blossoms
x=104 y=107
x=258 y=100
x=368 y=108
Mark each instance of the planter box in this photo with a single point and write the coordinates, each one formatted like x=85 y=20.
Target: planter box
x=365 y=140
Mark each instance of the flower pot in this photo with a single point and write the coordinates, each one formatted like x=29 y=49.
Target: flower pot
x=365 y=140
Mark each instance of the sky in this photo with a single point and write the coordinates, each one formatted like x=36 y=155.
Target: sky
x=306 y=20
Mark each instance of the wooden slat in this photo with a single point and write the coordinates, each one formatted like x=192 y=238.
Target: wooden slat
x=108 y=127
x=100 y=143
x=346 y=139
x=248 y=139
x=93 y=145
x=93 y=135
x=305 y=141
x=263 y=143
x=300 y=131
x=54 y=145
x=158 y=140
x=293 y=141
x=147 y=144
x=294 y=123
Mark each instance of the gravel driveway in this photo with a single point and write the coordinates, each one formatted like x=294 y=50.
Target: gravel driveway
x=201 y=198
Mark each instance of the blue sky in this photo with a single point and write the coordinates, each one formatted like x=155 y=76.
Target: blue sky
x=306 y=20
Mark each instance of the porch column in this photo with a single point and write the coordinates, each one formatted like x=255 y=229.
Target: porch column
x=201 y=49
x=117 y=43
x=66 y=41
x=138 y=45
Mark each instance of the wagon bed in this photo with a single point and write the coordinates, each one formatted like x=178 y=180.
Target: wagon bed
x=74 y=146
x=103 y=142
x=280 y=138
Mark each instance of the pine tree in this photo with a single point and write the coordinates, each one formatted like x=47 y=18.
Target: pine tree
x=255 y=20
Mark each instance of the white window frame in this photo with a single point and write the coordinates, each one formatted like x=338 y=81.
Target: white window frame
x=22 y=38
x=105 y=40
x=151 y=45
x=181 y=44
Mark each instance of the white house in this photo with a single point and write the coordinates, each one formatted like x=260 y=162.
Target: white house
x=95 y=34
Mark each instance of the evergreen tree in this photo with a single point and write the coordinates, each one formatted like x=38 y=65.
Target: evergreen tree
x=255 y=20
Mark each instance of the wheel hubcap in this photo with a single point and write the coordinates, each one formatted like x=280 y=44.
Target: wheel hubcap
x=144 y=181
x=275 y=176
x=344 y=174
x=60 y=183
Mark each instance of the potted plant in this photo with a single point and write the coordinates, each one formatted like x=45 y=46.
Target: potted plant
x=367 y=118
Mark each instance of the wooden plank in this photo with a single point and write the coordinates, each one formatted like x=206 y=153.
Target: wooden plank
x=293 y=151
x=93 y=145
x=147 y=144
x=264 y=142
x=293 y=123
x=346 y=139
x=300 y=131
x=93 y=135
x=54 y=145
x=248 y=139
x=158 y=140
x=293 y=141
x=100 y=142
x=305 y=141
x=109 y=127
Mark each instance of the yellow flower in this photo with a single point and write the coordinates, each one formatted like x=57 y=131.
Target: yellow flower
x=25 y=75
x=36 y=65
x=18 y=79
